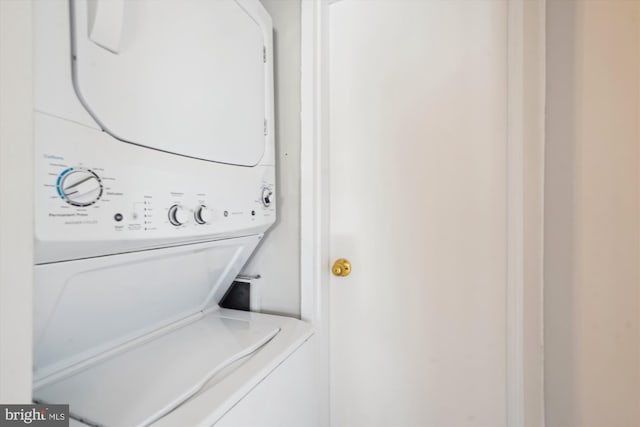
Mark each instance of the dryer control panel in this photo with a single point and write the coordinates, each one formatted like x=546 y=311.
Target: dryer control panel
x=125 y=197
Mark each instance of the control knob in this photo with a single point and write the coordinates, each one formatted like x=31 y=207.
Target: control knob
x=202 y=215
x=178 y=216
x=80 y=187
x=267 y=197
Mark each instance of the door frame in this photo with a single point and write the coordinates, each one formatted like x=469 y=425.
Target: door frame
x=524 y=388
x=314 y=185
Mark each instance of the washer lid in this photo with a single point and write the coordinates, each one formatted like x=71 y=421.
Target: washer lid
x=149 y=380
x=86 y=309
x=187 y=77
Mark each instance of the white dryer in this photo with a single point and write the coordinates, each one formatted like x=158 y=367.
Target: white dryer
x=155 y=181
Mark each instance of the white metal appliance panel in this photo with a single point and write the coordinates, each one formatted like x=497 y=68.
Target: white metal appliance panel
x=139 y=386
x=53 y=91
x=289 y=396
x=141 y=185
x=94 y=391
x=223 y=394
x=85 y=308
x=187 y=77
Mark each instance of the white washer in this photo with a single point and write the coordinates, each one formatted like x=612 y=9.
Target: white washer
x=155 y=181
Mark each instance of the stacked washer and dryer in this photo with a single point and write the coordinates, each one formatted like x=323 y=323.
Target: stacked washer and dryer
x=155 y=181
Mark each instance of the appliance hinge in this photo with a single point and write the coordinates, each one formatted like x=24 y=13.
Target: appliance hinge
x=264 y=54
x=265 y=127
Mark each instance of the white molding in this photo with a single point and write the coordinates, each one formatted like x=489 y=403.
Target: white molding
x=534 y=155
x=313 y=161
x=525 y=174
x=16 y=200
x=515 y=213
x=314 y=185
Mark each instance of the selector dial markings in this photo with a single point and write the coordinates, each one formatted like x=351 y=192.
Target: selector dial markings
x=79 y=187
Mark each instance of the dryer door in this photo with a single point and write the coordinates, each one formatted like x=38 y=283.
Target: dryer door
x=182 y=76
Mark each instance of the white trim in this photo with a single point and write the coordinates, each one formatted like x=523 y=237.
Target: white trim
x=16 y=200
x=534 y=164
x=525 y=174
x=515 y=212
x=314 y=238
x=313 y=155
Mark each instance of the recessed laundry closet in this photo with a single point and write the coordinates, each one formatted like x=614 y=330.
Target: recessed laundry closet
x=313 y=213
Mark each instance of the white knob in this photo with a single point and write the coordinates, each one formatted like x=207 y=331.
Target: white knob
x=267 y=197
x=202 y=215
x=80 y=187
x=177 y=215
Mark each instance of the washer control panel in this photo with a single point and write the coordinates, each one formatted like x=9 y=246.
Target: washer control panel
x=146 y=198
x=91 y=198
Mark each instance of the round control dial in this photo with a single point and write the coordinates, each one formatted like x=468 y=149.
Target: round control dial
x=202 y=215
x=79 y=187
x=267 y=197
x=178 y=216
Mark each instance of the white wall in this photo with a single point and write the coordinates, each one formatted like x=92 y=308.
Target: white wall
x=277 y=259
x=16 y=201
x=592 y=214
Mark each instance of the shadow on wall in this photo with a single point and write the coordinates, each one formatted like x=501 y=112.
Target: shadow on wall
x=560 y=201
x=592 y=214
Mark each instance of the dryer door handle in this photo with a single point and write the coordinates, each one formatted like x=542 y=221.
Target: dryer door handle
x=107 y=24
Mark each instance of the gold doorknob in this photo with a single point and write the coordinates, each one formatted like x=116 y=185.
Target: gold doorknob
x=341 y=268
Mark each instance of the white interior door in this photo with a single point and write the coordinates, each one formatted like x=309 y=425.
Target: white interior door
x=418 y=94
